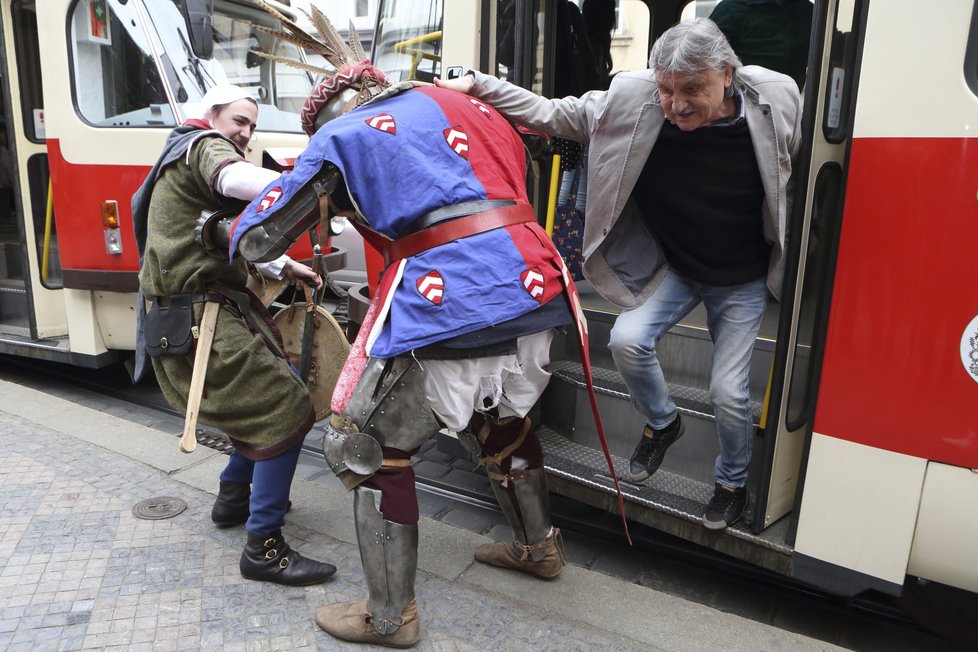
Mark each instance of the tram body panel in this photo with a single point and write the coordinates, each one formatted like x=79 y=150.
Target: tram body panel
x=858 y=513
x=904 y=294
x=111 y=94
x=895 y=410
x=911 y=77
x=944 y=547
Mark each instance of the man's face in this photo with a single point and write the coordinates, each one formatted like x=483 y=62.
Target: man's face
x=692 y=101
x=237 y=122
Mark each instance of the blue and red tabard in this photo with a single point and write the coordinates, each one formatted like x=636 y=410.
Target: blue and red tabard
x=403 y=157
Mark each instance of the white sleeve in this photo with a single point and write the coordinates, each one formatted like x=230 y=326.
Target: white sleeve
x=242 y=180
x=274 y=268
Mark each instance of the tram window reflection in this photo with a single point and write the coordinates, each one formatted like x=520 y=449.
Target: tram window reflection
x=115 y=79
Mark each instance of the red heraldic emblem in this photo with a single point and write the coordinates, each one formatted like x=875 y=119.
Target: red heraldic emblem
x=270 y=198
x=482 y=107
x=458 y=141
x=533 y=282
x=383 y=122
x=432 y=287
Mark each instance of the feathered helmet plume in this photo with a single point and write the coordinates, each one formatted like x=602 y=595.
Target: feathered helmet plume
x=352 y=68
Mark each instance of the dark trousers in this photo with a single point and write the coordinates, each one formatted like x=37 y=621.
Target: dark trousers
x=270 y=481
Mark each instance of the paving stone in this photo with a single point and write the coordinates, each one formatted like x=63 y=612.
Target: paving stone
x=78 y=571
x=471 y=518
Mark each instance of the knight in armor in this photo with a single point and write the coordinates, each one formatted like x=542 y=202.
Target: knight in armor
x=458 y=333
x=250 y=392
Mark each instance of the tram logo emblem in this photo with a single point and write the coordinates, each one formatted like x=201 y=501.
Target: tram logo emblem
x=432 y=287
x=383 y=122
x=533 y=282
x=458 y=141
x=969 y=349
x=482 y=107
x=270 y=199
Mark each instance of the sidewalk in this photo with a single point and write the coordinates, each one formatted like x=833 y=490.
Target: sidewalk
x=79 y=571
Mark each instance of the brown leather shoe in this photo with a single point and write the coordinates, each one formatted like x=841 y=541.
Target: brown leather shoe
x=519 y=556
x=350 y=621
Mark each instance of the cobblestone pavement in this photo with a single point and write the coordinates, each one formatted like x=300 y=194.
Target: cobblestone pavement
x=79 y=571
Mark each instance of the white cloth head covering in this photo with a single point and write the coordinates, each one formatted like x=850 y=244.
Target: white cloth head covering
x=217 y=96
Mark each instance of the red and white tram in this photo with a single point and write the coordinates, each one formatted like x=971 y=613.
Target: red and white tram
x=865 y=470
x=90 y=90
x=865 y=375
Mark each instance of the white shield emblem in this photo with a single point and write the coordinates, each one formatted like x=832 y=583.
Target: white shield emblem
x=432 y=287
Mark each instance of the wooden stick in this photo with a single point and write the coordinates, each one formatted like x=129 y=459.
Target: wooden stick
x=188 y=441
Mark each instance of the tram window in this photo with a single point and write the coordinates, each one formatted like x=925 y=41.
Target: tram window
x=45 y=231
x=408 y=42
x=278 y=88
x=116 y=82
x=821 y=235
x=971 y=55
x=29 y=68
x=630 y=39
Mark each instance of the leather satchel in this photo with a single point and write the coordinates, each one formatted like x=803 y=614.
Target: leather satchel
x=168 y=326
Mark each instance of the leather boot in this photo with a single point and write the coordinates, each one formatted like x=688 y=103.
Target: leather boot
x=389 y=553
x=351 y=621
x=519 y=556
x=268 y=558
x=232 y=505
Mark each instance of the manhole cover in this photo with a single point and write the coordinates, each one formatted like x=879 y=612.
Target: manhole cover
x=153 y=509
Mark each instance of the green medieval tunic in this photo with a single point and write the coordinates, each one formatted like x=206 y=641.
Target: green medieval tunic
x=250 y=391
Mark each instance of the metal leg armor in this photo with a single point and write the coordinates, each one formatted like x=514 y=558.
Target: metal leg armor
x=525 y=501
x=389 y=553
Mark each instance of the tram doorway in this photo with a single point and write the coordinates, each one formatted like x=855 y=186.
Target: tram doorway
x=29 y=253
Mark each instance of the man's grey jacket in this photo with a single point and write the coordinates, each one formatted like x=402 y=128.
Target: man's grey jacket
x=622 y=259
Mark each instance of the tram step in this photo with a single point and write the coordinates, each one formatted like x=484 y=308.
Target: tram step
x=685 y=352
x=668 y=501
x=567 y=410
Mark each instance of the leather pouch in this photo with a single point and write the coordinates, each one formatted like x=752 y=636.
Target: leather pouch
x=168 y=326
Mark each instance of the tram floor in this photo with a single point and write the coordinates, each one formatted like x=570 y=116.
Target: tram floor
x=89 y=457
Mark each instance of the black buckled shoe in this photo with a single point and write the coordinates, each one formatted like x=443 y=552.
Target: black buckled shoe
x=268 y=558
x=651 y=450
x=232 y=505
x=725 y=508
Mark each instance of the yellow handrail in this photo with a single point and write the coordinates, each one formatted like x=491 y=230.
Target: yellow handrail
x=424 y=38
x=48 y=214
x=552 y=198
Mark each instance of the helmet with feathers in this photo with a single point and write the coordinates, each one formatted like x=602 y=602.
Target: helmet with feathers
x=353 y=81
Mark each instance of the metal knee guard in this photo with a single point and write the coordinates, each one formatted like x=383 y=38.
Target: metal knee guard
x=389 y=554
x=388 y=409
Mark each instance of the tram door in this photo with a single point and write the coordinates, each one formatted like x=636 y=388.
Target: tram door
x=819 y=184
x=31 y=305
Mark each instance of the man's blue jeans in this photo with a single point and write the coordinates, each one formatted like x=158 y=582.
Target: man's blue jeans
x=733 y=318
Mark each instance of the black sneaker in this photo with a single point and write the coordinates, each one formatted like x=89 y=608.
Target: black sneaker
x=650 y=451
x=725 y=508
